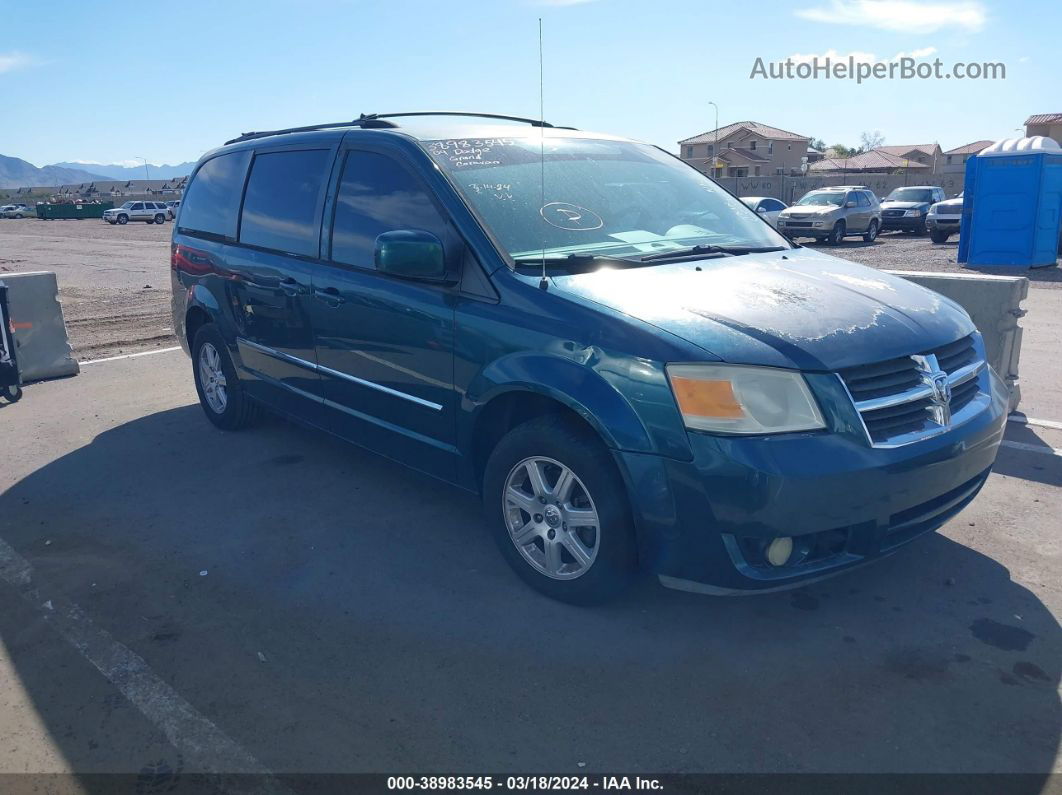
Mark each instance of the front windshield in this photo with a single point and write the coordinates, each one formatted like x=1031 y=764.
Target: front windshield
x=910 y=195
x=822 y=198
x=612 y=198
x=127 y=205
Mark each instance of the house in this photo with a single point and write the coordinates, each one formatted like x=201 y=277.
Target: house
x=1047 y=124
x=746 y=149
x=926 y=154
x=955 y=159
x=875 y=161
x=814 y=155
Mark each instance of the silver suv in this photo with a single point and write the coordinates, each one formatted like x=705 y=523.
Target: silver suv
x=832 y=214
x=151 y=212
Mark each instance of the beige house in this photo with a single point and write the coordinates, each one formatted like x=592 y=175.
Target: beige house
x=955 y=159
x=926 y=154
x=1047 y=124
x=746 y=149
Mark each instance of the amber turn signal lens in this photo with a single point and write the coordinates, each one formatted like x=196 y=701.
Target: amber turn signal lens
x=702 y=398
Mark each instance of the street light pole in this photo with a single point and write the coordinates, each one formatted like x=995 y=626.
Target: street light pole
x=147 y=174
x=715 y=147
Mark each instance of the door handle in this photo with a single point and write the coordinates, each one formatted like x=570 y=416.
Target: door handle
x=330 y=295
x=291 y=287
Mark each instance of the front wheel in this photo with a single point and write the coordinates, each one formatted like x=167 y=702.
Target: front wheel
x=123 y=219
x=220 y=393
x=12 y=393
x=938 y=237
x=872 y=232
x=836 y=234
x=160 y=219
x=559 y=512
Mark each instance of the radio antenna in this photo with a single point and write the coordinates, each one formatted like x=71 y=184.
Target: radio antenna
x=543 y=284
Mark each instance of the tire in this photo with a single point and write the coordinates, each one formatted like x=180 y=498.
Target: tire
x=922 y=228
x=12 y=393
x=112 y=223
x=836 y=234
x=938 y=237
x=608 y=557
x=123 y=219
x=160 y=219
x=223 y=400
x=872 y=232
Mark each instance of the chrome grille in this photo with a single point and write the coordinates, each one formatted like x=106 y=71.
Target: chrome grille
x=909 y=398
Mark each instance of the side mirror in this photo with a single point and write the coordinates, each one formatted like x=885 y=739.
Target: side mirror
x=761 y=210
x=849 y=204
x=411 y=253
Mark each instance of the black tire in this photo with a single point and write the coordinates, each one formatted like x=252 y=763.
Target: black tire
x=160 y=219
x=239 y=410
x=836 y=234
x=12 y=393
x=820 y=240
x=123 y=219
x=112 y=223
x=872 y=232
x=583 y=453
x=938 y=237
x=922 y=228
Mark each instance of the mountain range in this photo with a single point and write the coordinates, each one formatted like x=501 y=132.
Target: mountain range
x=18 y=173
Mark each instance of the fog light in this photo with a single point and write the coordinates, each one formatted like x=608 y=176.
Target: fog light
x=779 y=551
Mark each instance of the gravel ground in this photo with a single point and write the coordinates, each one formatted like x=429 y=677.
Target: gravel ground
x=114 y=281
x=898 y=251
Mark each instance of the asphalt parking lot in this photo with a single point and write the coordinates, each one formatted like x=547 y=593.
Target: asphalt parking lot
x=184 y=600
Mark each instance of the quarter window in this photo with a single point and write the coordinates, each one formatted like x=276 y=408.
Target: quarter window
x=212 y=200
x=283 y=194
x=377 y=195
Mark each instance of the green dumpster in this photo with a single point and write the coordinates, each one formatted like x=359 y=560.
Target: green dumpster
x=76 y=210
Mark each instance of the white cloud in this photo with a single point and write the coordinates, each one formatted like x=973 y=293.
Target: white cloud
x=904 y=16
x=10 y=61
x=859 y=56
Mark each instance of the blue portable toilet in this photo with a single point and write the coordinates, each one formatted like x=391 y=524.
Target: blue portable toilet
x=1012 y=204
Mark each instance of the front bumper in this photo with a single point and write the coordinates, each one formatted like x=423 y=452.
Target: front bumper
x=903 y=222
x=943 y=223
x=698 y=519
x=805 y=228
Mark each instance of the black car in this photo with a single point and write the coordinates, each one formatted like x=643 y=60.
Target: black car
x=905 y=209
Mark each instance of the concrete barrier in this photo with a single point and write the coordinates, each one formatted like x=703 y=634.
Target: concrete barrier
x=43 y=347
x=994 y=303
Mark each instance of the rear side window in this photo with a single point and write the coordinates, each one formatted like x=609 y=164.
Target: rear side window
x=283 y=194
x=377 y=195
x=212 y=201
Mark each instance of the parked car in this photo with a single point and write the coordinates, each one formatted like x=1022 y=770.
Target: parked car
x=943 y=219
x=832 y=214
x=766 y=207
x=635 y=373
x=905 y=209
x=171 y=209
x=15 y=211
x=150 y=212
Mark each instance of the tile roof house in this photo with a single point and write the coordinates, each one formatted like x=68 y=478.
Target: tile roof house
x=746 y=149
x=875 y=161
x=926 y=154
x=1046 y=124
x=955 y=159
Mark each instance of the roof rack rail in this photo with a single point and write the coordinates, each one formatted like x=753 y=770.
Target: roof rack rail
x=379 y=120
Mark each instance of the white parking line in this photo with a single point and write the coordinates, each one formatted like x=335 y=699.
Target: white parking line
x=204 y=746
x=131 y=355
x=1031 y=448
x=1021 y=419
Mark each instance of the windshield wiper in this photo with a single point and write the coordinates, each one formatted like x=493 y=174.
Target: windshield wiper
x=720 y=251
x=573 y=260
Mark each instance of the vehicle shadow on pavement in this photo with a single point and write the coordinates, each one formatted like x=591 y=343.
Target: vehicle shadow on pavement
x=333 y=612
x=1026 y=464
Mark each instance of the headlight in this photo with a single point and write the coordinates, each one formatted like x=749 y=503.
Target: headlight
x=736 y=399
x=818 y=223
x=913 y=213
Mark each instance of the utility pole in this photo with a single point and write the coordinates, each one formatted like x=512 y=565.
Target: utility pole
x=715 y=147
x=147 y=174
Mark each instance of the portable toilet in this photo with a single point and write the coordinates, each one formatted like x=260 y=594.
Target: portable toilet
x=1012 y=204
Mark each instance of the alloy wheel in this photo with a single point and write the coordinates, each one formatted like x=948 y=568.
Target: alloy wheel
x=212 y=378
x=551 y=518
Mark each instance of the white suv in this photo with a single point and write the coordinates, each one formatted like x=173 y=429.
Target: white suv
x=151 y=212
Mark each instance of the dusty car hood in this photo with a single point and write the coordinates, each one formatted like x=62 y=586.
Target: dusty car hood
x=887 y=205
x=796 y=308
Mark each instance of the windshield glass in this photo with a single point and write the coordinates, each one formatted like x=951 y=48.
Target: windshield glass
x=127 y=205
x=823 y=198
x=910 y=195
x=613 y=198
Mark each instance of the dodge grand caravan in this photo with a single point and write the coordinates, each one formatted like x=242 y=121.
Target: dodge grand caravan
x=632 y=369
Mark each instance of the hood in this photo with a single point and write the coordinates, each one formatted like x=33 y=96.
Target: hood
x=950 y=204
x=810 y=209
x=798 y=308
x=895 y=205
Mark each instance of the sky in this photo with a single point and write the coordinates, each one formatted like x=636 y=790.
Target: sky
x=170 y=81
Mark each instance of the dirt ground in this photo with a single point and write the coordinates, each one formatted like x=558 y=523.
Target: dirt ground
x=114 y=281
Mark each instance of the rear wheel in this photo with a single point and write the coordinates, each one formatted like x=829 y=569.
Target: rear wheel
x=220 y=392
x=558 y=511
x=12 y=393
